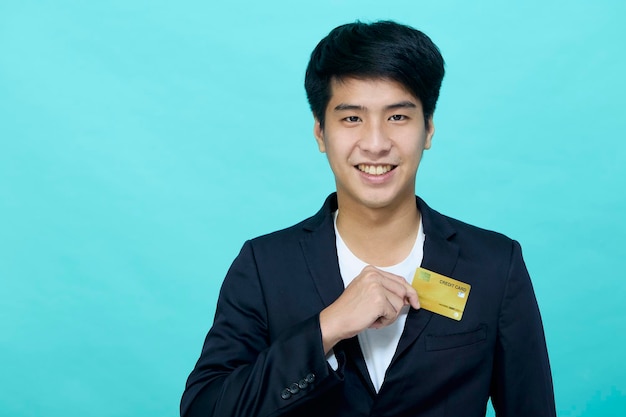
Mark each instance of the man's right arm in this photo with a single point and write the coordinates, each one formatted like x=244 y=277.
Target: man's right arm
x=241 y=372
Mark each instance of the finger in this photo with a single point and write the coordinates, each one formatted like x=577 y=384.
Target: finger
x=400 y=287
x=394 y=307
x=396 y=303
x=384 y=320
x=393 y=283
x=412 y=298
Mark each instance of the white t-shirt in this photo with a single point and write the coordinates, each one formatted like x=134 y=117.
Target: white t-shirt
x=379 y=345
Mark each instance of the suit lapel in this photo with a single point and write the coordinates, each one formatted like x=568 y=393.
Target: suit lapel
x=440 y=255
x=320 y=252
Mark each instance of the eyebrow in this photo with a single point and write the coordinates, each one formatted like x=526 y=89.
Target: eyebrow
x=401 y=105
x=343 y=107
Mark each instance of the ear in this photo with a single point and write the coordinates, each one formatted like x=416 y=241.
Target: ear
x=318 y=132
x=430 y=132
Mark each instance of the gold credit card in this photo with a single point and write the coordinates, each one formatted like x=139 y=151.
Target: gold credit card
x=440 y=294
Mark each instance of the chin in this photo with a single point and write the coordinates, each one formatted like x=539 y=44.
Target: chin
x=375 y=199
x=379 y=202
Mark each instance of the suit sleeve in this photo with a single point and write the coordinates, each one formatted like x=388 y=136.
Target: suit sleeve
x=241 y=372
x=522 y=381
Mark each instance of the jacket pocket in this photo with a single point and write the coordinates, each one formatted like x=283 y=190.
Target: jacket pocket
x=450 y=341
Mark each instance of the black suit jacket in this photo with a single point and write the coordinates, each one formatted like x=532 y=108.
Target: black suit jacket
x=264 y=355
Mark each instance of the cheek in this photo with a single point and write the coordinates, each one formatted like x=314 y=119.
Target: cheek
x=341 y=149
x=333 y=156
x=338 y=158
x=418 y=146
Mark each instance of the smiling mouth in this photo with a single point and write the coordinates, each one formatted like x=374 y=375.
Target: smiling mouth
x=375 y=169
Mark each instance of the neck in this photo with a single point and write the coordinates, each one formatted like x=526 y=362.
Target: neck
x=379 y=237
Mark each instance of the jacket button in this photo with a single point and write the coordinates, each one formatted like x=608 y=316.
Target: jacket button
x=310 y=378
x=302 y=384
x=293 y=388
x=286 y=394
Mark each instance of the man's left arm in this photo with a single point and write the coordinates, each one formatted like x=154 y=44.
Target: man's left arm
x=522 y=380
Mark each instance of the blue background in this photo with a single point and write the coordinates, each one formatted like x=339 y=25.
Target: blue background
x=141 y=142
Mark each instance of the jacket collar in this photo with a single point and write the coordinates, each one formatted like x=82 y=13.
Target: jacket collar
x=440 y=251
x=320 y=252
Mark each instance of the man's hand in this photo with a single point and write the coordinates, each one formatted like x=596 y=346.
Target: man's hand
x=372 y=300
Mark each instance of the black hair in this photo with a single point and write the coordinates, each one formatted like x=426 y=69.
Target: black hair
x=383 y=49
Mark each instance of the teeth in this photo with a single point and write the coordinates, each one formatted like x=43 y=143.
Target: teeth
x=374 y=169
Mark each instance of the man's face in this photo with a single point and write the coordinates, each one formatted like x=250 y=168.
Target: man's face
x=374 y=135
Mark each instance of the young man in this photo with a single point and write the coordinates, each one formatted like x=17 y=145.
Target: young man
x=321 y=319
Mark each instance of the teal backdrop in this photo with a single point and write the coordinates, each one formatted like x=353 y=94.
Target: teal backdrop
x=142 y=142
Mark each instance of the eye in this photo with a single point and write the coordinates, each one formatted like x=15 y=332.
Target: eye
x=397 y=118
x=352 y=119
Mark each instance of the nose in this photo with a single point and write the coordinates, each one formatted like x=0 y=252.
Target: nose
x=374 y=138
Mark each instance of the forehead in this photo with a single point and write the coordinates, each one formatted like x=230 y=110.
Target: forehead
x=368 y=92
